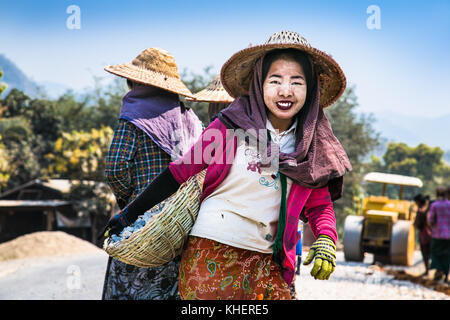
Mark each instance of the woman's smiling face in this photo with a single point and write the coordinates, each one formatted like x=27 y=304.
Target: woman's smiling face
x=284 y=92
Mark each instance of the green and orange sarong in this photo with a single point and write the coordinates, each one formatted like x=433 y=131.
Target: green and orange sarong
x=214 y=271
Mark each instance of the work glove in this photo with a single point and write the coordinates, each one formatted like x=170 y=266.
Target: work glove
x=323 y=251
x=116 y=224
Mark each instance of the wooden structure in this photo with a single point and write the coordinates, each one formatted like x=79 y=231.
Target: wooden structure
x=43 y=205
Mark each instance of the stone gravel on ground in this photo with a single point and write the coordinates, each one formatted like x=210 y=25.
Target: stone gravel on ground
x=363 y=281
x=80 y=277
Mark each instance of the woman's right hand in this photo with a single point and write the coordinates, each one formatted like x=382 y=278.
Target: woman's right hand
x=162 y=187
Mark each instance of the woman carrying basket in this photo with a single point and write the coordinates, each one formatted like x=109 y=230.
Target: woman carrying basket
x=143 y=145
x=242 y=245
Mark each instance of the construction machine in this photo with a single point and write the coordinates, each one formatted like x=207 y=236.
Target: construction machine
x=383 y=226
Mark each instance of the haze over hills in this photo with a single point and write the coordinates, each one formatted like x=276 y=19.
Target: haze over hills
x=413 y=130
x=392 y=126
x=14 y=77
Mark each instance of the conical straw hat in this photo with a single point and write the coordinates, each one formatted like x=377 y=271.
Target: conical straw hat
x=214 y=93
x=155 y=67
x=237 y=72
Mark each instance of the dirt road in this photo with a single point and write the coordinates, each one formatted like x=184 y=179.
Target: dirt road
x=81 y=277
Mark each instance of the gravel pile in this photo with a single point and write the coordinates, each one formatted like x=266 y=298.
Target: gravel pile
x=44 y=243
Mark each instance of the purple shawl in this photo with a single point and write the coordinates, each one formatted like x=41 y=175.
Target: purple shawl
x=163 y=117
x=319 y=158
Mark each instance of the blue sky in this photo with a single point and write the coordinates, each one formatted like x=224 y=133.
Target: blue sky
x=402 y=68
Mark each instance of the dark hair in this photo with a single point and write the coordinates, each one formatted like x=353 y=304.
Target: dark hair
x=441 y=192
x=420 y=199
x=130 y=84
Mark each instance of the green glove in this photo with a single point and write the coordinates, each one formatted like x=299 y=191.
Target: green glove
x=324 y=252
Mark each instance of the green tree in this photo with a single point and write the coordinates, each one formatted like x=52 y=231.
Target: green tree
x=5 y=163
x=14 y=104
x=80 y=155
x=2 y=85
x=74 y=114
x=106 y=103
x=422 y=161
x=15 y=129
x=18 y=141
x=195 y=83
x=29 y=127
x=358 y=138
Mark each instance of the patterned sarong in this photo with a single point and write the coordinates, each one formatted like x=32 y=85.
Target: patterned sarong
x=213 y=271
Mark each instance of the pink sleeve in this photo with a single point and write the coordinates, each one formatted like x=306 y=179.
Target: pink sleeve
x=320 y=213
x=201 y=153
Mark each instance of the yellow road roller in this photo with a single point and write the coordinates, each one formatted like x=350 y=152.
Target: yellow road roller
x=383 y=226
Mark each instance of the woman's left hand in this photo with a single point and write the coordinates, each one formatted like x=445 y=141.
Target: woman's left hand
x=323 y=251
x=115 y=225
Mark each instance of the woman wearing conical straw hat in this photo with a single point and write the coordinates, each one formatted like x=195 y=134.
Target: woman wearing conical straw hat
x=154 y=128
x=216 y=95
x=242 y=245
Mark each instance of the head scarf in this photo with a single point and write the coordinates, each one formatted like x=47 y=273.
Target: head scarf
x=163 y=117
x=319 y=159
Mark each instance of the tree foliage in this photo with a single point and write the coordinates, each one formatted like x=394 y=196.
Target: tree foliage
x=80 y=155
x=32 y=127
x=29 y=127
x=357 y=136
x=195 y=83
x=2 y=85
x=422 y=161
x=5 y=163
x=23 y=163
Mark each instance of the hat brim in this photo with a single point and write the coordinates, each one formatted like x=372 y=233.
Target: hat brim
x=145 y=76
x=212 y=96
x=237 y=72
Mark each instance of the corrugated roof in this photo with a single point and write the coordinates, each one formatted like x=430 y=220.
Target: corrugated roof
x=62 y=185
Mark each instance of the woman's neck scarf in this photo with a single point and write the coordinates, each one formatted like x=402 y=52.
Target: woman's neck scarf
x=163 y=117
x=319 y=159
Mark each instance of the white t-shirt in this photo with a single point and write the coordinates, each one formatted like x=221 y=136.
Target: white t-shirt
x=243 y=210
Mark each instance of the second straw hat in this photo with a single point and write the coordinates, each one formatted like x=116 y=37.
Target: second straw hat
x=237 y=72
x=213 y=93
x=155 y=67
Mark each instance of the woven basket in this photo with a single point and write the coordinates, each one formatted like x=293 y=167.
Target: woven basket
x=163 y=236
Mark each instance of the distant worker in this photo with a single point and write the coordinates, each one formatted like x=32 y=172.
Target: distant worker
x=215 y=94
x=421 y=224
x=439 y=220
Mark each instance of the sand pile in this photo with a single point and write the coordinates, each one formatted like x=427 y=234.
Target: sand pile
x=44 y=243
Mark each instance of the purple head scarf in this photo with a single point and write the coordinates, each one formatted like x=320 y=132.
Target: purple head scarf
x=319 y=158
x=163 y=117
